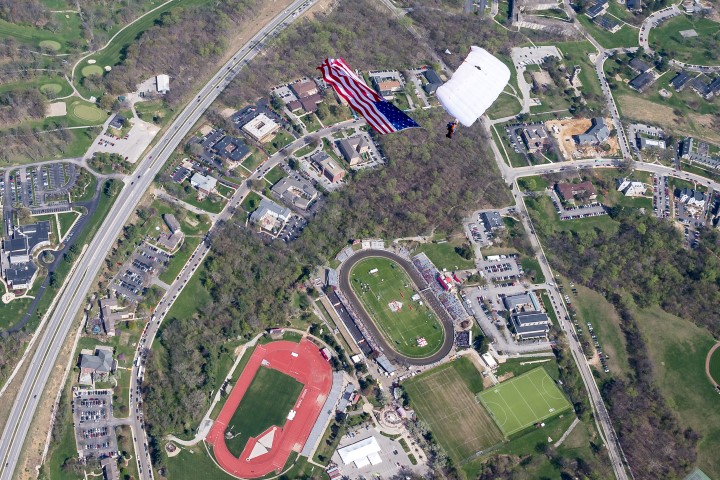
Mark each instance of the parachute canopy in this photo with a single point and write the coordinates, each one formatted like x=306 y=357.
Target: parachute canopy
x=474 y=86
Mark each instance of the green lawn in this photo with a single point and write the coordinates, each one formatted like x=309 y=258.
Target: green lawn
x=275 y=175
x=701 y=49
x=179 y=259
x=207 y=204
x=251 y=202
x=57 y=85
x=547 y=303
x=281 y=140
x=193 y=298
x=531 y=266
x=225 y=191
x=546 y=219
x=523 y=401
x=412 y=321
x=267 y=402
x=625 y=37
x=66 y=221
x=444 y=399
x=302 y=151
x=155 y=111
x=312 y=124
x=193 y=463
x=678 y=349
x=506 y=105
x=443 y=255
x=69 y=29
x=535 y=183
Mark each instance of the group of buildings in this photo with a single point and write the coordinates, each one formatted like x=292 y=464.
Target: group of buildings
x=645 y=76
x=16 y=257
x=598 y=13
x=569 y=192
x=694 y=151
x=527 y=320
x=706 y=88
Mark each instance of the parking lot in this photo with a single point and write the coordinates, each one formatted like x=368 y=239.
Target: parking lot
x=292 y=229
x=593 y=209
x=35 y=187
x=138 y=272
x=130 y=146
x=661 y=196
x=94 y=423
x=505 y=270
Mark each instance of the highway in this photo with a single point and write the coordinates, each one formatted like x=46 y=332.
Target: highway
x=79 y=282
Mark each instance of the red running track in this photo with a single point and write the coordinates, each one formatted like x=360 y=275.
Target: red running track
x=304 y=363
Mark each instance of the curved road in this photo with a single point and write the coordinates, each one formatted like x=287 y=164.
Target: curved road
x=388 y=350
x=79 y=282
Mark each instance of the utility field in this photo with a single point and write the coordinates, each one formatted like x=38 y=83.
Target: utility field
x=386 y=294
x=443 y=399
x=267 y=402
x=523 y=401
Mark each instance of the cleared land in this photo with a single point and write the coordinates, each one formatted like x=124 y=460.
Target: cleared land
x=443 y=399
x=391 y=288
x=523 y=401
x=266 y=403
x=443 y=255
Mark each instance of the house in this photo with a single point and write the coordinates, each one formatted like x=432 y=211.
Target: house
x=296 y=192
x=387 y=88
x=329 y=168
x=433 y=81
x=634 y=5
x=598 y=133
x=171 y=222
x=596 y=9
x=644 y=143
x=117 y=122
x=639 y=66
x=205 y=185
x=304 y=88
x=261 y=128
x=536 y=138
x=712 y=89
x=96 y=366
x=680 y=80
x=110 y=314
x=492 y=221
x=363 y=453
x=691 y=198
x=568 y=191
x=162 y=84
x=309 y=103
x=525 y=299
x=607 y=23
x=642 y=81
x=110 y=468
x=354 y=148
x=269 y=215
x=530 y=325
x=630 y=188
x=231 y=148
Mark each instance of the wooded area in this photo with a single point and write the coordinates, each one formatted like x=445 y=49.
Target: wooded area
x=19 y=105
x=641 y=264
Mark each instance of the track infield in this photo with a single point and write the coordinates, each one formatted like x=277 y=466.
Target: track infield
x=293 y=365
x=523 y=401
x=402 y=328
x=443 y=400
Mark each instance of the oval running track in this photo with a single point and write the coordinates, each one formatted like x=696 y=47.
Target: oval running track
x=437 y=308
x=714 y=381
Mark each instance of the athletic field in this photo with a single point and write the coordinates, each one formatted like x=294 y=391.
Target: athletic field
x=523 y=401
x=388 y=289
x=267 y=402
x=443 y=400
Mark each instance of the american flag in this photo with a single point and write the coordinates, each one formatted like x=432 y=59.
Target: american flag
x=382 y=115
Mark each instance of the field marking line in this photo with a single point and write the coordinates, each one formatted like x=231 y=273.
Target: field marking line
x=502 y=397
x=532 y=410
x=540 y=392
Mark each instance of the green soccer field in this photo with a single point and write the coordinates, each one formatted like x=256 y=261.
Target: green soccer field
x=267 y=402
x=443 y=399
x=410 y=320
x=523 y=401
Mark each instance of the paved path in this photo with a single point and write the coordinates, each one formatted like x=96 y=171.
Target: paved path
x=567 y=432
x=707 y=365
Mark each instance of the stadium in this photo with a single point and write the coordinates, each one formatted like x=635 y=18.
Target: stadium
x=272 y=408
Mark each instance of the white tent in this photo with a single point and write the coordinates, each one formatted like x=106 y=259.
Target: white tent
x=362 y=453
x=474 y=86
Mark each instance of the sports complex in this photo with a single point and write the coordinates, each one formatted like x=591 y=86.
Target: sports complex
x=381 y=286
x=466 y=421
x=272 y=408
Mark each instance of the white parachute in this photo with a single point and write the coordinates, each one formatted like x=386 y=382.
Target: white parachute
x=474 y=86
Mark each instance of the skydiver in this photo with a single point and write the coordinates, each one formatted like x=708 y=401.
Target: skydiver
x=451 y=126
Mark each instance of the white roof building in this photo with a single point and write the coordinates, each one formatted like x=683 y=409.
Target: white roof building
x=261 y=128
x=204 y=184
x=630 y=188
x=362 y=453
x=163 y=83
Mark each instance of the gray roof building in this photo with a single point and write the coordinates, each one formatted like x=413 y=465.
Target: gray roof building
x=530 y=325
x=492 y=220
x=353 y=148
x=639 y=65
x=526 y=298
x=385 y=364
x=642 y=81
x=101 y=362
x=679 y=81
x=117 y=122
x=171 y=222
x=433 y=79
x=231 y=148
x=295 y=192
x=598 y=133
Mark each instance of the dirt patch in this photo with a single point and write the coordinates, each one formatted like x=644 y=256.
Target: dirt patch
x=57 y=109
x=564 y=130
x=507 y=376
x=653 y=113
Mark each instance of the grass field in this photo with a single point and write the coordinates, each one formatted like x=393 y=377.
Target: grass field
x=678 y=349
x=92 y=70
x=86 y=113
x=403 y=327
x=179 y=259
x=444 y=398
x=523 y=401
x=253 y=161
x=715 y=366
x=701 y=49
x=267 y=402
x=530 y=264
x=625 y=37
x=275 y=175
x=443 y=255
x=545 y=219
x=50 y=45
x=53 y=88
